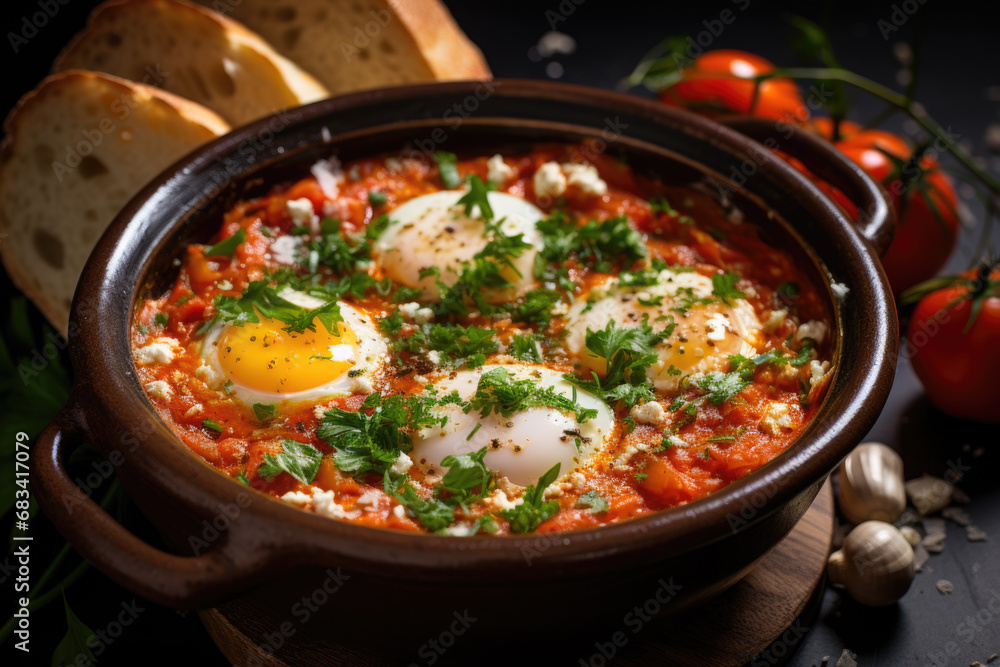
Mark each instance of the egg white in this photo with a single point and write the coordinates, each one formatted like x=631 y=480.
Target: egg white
x=433 y=231
x=369 y=357
x=524 y=446
x=702 y=342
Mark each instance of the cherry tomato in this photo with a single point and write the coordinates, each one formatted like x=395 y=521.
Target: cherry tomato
x=922 y=196
x=958 y=362
x=721 y=82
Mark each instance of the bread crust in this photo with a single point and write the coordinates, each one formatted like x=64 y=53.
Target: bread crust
x=96 y=87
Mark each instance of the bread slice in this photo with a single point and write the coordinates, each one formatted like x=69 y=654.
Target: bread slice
x=77 y=148
x=193 y=52
x=356 y=44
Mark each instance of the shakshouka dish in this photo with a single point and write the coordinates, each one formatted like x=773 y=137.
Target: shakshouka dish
x=492 y=344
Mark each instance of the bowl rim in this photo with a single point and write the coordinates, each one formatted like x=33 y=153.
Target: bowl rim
x=108 y=385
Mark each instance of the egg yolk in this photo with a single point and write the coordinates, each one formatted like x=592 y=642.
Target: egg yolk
x=261 y=356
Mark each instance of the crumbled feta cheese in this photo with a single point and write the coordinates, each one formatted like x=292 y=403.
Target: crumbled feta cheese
x=814 y=329
x=324 y=505
x=158 y=389
x=839 y=290
x=369 y=498
x=420 y=379
x=423 y=315
x=195 y=409
x=399 y=511
x=161 y=351
x=301 y=212
x=393 y=165
x=648 y=413
x=409 y=310
x=817 y=370
x=208 y=375
x=559 y=309
x=434 y=357
x=402 y=464
x=549 y=181
x=499 y=172
x=717 y=326
x=553 y=490
x=585 y=177
x=777 y=417
x=329 y=175
x=285 y=249
x=577 y=480
x=297 y=498
x=501 y=502
x=775 y=320
x=626 y=455
x=362 y=385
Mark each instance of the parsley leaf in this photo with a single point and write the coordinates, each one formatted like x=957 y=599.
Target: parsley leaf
x=595 y=245
x=466 y=473
x=526 y=347
x=299 y=460
x=594 y=501
x=527 y=516
x=477 y=197
x=448 y=168
x=724 y=287
x=433 y=514
x=628 y=353
x=227 y=247
x=260 y=297
x=263 y=411
x=376 y=198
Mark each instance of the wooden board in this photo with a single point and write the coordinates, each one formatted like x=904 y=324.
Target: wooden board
x=768 y=611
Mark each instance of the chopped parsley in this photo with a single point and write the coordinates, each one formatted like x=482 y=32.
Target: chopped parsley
x=184 y=299
x=376 y=198
x=534 y=509
x=526 y=347
x=227 y=247
x=300 y=460
x=162 y=319
x=789 y=290
x=724 y=287
x=456 y=345
x=595 y=245
x=499 y=392
x=661 y=205
x=535 y=307
x=260 y=297
x=628 y=353
x=593 y=501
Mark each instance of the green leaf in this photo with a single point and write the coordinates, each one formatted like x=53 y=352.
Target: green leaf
x=465 y=474
x=448 y=168
x=433 y=514
x=212 y=425
x=594 y=501
x=724 y=287
x=264 y=411
x=526 y=347
x=76 y=643
x=499 y=392
x=300 y=460
x=477 y=197
x=376 y=198
x=227 y=246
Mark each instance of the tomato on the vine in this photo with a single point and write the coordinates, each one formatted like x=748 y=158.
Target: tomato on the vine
x=921 y=193
x=954 y=345
x=721 y=82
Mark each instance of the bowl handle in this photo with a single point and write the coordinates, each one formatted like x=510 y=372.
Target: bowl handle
x=876 y=221
x=175 y=581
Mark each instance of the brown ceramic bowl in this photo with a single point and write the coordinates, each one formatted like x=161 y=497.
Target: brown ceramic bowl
x=231 y=539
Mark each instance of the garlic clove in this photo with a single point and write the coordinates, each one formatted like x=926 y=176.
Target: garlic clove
x=871 y=484
x=875 y=564
x=929 y=494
